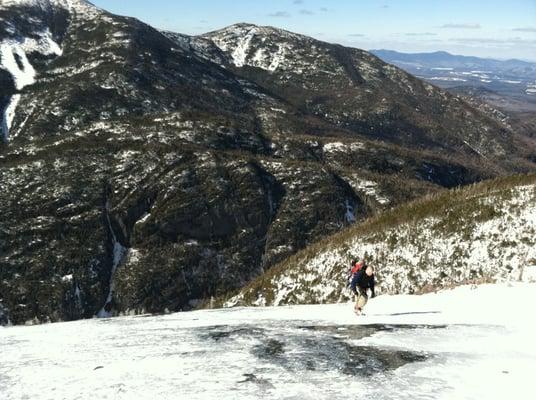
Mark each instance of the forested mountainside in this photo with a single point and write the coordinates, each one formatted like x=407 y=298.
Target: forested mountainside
x=147 y=171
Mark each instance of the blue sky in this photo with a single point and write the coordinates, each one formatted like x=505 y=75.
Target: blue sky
x=491 y=28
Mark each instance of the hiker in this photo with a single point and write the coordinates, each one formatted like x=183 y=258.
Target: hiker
x=362 y=280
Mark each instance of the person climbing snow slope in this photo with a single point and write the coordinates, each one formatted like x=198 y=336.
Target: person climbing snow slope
x=362 y=280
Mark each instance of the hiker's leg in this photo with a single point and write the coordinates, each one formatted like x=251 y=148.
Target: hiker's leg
x=362 y=299
x=358 y=301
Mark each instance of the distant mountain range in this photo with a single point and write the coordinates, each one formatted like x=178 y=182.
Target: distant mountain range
x=445 y=59
x=513 y=78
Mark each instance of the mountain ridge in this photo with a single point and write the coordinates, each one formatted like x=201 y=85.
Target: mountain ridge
x=478 y=234
x=446 y=55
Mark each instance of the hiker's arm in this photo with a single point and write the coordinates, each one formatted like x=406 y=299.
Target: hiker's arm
x=372 y=293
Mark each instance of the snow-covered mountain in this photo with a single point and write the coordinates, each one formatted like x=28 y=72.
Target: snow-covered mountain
x=483 y=233
x=350 y=88
x=148 y=171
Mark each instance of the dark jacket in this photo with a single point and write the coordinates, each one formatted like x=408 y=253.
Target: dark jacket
x=362 y=281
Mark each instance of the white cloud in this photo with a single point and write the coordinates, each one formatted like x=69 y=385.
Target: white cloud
x=420 y=34
x=526 y=29
x=512 y=41
x=280 y=14
x=461 y=26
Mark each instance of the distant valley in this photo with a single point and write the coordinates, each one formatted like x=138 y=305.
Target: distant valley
x=509 y=84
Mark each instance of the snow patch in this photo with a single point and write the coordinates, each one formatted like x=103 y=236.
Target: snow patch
x=369 y=188
x=13 y=55
x=81 y=8
x=339 y=147
x=279 y=57
x=236 y=41
x=240 y=53
x=9 y=115
x=144 y=218
x=13 y=59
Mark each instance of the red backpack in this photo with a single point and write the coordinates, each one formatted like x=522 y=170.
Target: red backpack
x=355 y=269
x=358 y=265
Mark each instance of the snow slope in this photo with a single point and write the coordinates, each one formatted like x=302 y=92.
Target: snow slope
x=241 y=42
x=480 y=234
x=467 y=343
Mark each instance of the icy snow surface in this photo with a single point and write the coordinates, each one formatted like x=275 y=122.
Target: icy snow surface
x=468 y=343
